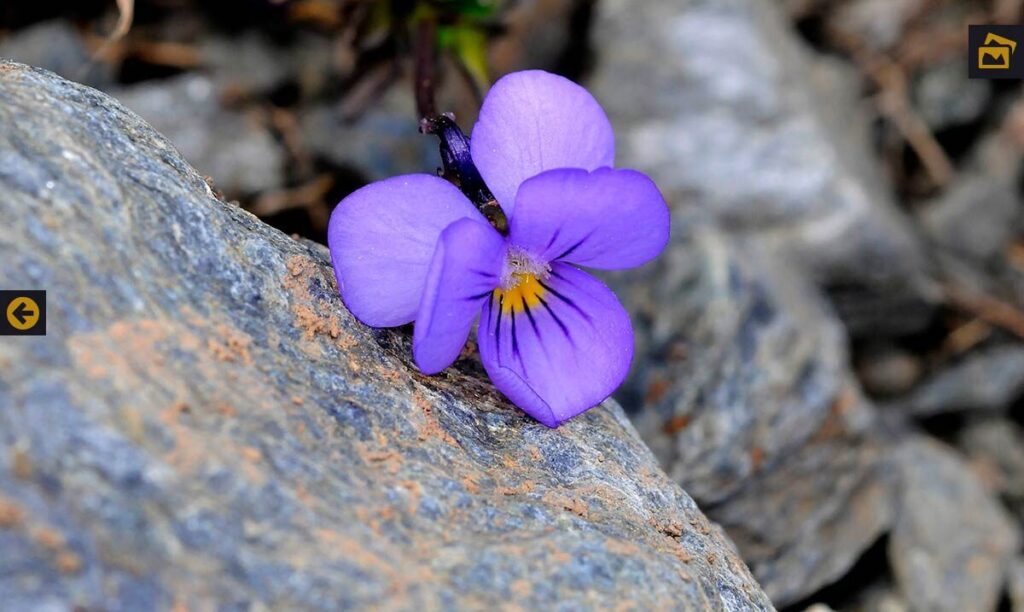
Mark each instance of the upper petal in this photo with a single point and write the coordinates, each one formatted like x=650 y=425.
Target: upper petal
x=462 y=275
x=609 y=219
x=382 y=238
x=533 y=121
x=558 y=348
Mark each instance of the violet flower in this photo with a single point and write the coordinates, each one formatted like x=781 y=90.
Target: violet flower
x=554 y=339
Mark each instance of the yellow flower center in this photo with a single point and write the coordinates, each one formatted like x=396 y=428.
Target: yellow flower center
x=526 y=292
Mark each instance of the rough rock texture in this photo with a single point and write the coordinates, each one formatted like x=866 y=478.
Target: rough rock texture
x=953 y=544
x=728 y=114
x=741 y=389
x=204 y=422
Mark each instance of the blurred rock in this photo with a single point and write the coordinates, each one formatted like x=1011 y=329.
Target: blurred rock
x=535 y=35
x=56 y=45
x=206 y=425
x=728 y=114
x=976 y=218
x=804 y=523
x=249 y=63
x=945 y=97
x=988 y=380
x=1016 y=585
x=235 y=150
x=878 y=23
x=888 y=370
x=879 y=598
x=740 y=387
x=996 y=450
x=383 y=142
x=952 y=543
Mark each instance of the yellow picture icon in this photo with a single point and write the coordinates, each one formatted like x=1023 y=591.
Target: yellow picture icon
x=995 y=54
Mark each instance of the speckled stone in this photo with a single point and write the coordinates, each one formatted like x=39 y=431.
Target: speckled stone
x=205 y=423
x=742 y=388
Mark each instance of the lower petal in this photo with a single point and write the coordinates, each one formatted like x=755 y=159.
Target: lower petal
x=557 y=347
x=463 y=273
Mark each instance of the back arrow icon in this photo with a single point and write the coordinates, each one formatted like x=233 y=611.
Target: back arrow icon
x=22 y=313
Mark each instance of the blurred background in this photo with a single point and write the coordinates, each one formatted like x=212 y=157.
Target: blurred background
x=829 y=355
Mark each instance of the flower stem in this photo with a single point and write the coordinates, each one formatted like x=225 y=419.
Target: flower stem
x=459 y=169
x=458 y=164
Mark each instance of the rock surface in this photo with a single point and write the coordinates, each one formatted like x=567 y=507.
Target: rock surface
x=741 y=388
x=205 y=423
x=952 y=545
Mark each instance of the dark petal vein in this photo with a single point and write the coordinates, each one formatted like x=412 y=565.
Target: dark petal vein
x=554 y=237
x=529 y=315
x=479 y=296
x=497 y=327
x=570 y=303
x=565 y=330
x=515 y=338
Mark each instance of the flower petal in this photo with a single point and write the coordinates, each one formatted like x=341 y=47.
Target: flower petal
x=609 y=219
x=382 y=238
x=560 y=350
x=463 y=274
x=533 y=121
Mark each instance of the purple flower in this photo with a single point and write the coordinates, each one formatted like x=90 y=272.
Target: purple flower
x=554 y=339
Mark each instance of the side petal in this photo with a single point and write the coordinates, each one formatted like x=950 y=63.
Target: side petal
x=533 y=121
x=382 y=238
x=558 y=350
x=462 y=275
x=608 y=219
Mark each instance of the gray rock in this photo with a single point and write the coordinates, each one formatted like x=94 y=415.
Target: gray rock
x=976 y=218
x=727 y=112
x=382 y=143
x=988 y=380
x=56 y=46
x=741 y=389
x=1016 y=585
x=888 y=370
x=235 y=150
x=878 y=23
x=205 y=422
x=881 y=597
x=996 y=450
x=952 y=543
x=945 y=97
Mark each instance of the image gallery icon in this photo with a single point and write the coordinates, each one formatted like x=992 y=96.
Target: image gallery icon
x=991 y=52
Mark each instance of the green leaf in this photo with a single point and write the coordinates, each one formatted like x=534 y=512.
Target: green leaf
x=469 y=45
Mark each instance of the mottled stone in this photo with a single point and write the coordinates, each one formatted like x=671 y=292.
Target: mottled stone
x=206 y=424
x=741 y=388
x=952 y=543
